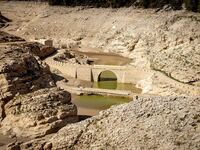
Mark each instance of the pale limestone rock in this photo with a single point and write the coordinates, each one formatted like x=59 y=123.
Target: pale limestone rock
x=30 y=103
x=148 y=122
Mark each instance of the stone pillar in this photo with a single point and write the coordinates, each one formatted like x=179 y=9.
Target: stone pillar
x=84 y=73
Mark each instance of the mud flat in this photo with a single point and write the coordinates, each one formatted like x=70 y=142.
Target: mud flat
x=100 y=58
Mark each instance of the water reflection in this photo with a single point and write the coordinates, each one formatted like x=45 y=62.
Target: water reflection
x=92 y=104
x=105 y=84
x=117 y=86
x=106 y=80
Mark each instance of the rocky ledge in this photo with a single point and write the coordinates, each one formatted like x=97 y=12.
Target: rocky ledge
x=3 y=21
x=145 y=123
x=38 y=113
x=38 y=49
x=72 y=57
x=6 y=37
x=30 y=103
x=21 y=72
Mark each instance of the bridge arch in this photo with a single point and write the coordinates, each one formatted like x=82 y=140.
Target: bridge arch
x=107 y=75
x=107 y=80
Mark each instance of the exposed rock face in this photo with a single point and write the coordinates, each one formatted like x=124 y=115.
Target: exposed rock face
x=38 y=49
x=72 y=57
x=177 y=51
x=5 y=37
x=38 y=113
x=146 y=123
x=175 y=4
x=30 y=103
x=21 y=72
x=158 y=41
x=3 y=20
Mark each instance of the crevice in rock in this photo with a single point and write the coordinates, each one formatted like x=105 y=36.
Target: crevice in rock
x=191 y=82
x=3 y=103
x=3 y=114
x=169 y=75
x=76 y=140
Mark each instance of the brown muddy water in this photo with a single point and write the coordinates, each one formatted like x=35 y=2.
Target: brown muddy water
x=92 y=104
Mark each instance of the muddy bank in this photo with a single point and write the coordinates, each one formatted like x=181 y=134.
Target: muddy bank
x=100 y=58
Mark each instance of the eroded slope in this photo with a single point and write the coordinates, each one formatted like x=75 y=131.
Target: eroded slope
x=165 y=41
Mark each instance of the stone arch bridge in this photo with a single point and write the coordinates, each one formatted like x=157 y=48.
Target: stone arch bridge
x=124 y=74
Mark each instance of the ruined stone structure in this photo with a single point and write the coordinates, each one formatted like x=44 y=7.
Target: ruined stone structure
x=124 y=74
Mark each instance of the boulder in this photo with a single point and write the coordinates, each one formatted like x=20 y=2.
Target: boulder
x=21 y=72
x=40 y=50
x=72 y=58
x=30 y=103
x=38 y=113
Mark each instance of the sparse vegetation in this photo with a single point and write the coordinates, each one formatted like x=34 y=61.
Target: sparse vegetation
x=193 y=5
